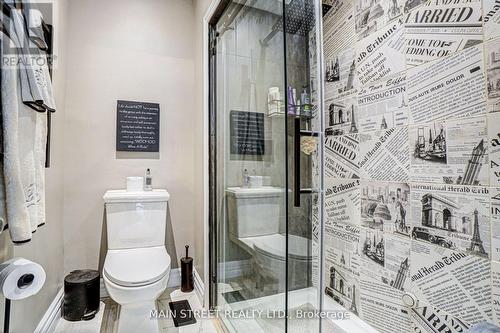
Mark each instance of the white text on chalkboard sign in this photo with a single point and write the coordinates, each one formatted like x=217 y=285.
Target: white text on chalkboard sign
x=138 y=126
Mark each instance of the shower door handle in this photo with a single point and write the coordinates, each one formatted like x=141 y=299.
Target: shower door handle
x=296 y=156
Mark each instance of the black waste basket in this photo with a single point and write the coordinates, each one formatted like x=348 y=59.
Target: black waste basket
x=81 y=295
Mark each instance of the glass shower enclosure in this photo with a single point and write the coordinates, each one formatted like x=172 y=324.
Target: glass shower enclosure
x=265 y=165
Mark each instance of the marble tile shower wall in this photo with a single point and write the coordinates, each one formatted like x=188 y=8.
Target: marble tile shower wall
x=247 y=71
x=247 y=68
x=412 y=162
x=244 y=69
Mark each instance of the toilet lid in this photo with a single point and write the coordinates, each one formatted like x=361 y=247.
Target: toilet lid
x=275 y=246
x=136 y=267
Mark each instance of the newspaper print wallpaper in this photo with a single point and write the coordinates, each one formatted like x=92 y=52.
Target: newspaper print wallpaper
x=412 y=162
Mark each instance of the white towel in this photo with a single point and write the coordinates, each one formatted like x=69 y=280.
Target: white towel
x=36 y=89
x=24 y=155
x=35 y=78
x=18 y=217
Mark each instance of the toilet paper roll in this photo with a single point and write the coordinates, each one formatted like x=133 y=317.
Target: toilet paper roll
x=21 y=278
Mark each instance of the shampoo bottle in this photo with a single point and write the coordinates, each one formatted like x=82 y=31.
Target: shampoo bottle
x=305 y=102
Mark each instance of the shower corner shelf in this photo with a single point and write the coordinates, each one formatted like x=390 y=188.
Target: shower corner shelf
x=299 y=107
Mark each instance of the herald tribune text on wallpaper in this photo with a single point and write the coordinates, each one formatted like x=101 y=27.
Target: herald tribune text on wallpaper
x=412 y=162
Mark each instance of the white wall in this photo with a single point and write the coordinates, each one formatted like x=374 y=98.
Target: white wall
x=131 y=50
x=46 y=248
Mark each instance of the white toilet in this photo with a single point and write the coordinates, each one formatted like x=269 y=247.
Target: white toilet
x=137 y=266
x=254 y=224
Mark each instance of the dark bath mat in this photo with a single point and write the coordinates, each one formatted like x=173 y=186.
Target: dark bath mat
x=233 y=296
x=182 y=314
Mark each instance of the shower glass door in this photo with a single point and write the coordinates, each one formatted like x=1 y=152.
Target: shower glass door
x=264 y=155
x=304 y=156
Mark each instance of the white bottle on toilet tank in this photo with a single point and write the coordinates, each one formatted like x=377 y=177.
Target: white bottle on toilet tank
x=148 y=181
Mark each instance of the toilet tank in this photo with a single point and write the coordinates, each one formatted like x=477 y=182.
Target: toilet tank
x=136 y=219
x=254 y=212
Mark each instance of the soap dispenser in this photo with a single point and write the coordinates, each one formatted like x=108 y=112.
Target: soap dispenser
x=246 y=179
x=148 y=181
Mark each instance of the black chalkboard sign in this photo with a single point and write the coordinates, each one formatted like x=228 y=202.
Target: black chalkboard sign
x=138 y=126
x=247 y=133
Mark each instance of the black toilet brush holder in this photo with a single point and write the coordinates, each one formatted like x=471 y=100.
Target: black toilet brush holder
x=187 y=284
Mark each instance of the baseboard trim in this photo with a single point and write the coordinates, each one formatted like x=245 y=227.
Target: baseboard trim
x=173 y=281
x=199 y=287
x=175 y=278
x=49 y=320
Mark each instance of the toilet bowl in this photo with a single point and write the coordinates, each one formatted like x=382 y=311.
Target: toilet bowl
x=135 y=278
x=137 y=265
x=270 y=259
x=254 y=216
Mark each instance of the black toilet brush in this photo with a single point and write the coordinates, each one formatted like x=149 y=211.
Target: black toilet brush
x=187 y=284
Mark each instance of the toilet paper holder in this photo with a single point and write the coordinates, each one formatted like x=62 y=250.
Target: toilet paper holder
x=23 y=282
x=19 y=279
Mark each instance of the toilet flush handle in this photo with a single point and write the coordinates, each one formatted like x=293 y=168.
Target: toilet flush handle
x=139 y=209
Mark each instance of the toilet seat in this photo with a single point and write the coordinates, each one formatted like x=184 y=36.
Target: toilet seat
x=137 y=267
x=274 y=246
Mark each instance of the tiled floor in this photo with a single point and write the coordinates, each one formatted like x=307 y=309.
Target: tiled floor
x=110 y=318
x=205 y=325
x=299 y=299
x=90 y=326
x=271 y=303
x=107 y=320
